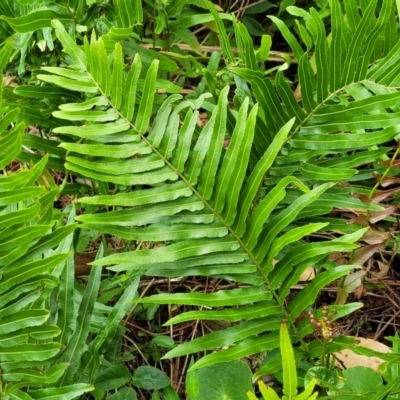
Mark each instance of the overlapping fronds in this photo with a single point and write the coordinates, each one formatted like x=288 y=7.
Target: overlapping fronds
x=32 y=258
x=348 y=98
x=214 y=212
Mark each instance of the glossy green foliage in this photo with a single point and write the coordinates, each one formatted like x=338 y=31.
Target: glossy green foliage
x=44 y=354
x=216 y=215
x=34 y=252
x=232 y=199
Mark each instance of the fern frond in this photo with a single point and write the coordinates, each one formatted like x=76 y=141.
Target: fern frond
x=188 y=179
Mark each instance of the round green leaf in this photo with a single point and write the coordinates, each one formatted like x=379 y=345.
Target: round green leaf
x=125 y=393
x=223 y=381
x=361 y=384
x=150 y=378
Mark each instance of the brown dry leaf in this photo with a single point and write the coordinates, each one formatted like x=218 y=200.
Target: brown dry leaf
x=389 y=181
x=297 y=92
x=353 y=280
x=9 y=81
x=377 y=216
x=388 y=163
x=359 y=220
x=307 y=275
x=350 y=284
x=364 y=253
x=360 y=291
x=378 y=196
x=375 y=237
x=66 y=200
x=349 y=359
x=81 y=263
x=202 y=119
x=338 y=258
x=383 y=269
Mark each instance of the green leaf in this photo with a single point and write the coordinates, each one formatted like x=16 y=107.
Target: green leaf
x=18 y=395
x=94 y=131
x=14 y=274
x=191 y=20
x=77 y=55
x=51 y=376
x=23 y=319
x=289 y=37
x=309 y=293
x=104 y=150
x=142 y=215
x=90 y=116
x=13 y=181
x=288 y=364
x=265 y=208
x=223 y=37
x=159 y=232
x=146 y=104
x=360 y=382
x=125 y=393
x=339 y=112
x=163 y=341
x=150 y=378
x=117 y=74
x=224 y=381
x=86 y=105
x=343 y=141
x=107 y=331
x=210 y=165
x=140 y=197
x=317 y=28
x=5 y=54
x=250 y=346
x=17 y=195
x=62 y=393
x=373 y=121
x=227 y=337
x=71 y=74
x=184 y=140
x=10 y=145
x=313 y=172
x=173 y=252
x=218 y=299
x=76 y=343
x=283 y=219
x=225 y=173
x=112 y=378
x=259 y=310
x=20 y=216
x=307 y=83
x=151 y=178
x=48 y=92
x=70 y=84
x=34 y=20
x=29 y=352
x=235 y=177
x=257 y=176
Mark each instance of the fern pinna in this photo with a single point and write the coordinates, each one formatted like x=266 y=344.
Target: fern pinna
x=240 y=212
